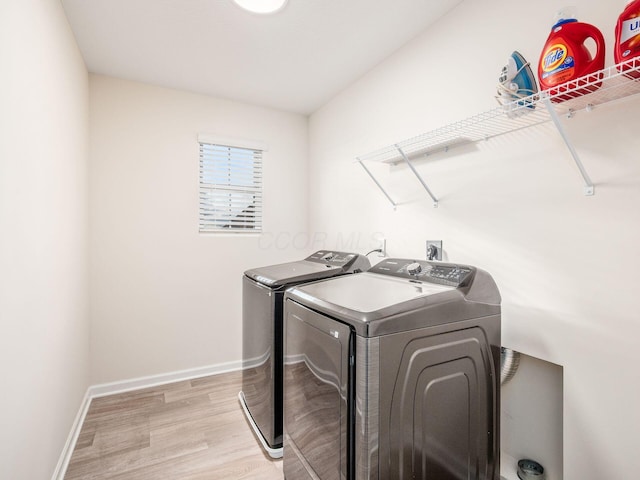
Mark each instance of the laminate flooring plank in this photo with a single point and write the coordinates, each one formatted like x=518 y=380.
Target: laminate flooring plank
x=188 y=430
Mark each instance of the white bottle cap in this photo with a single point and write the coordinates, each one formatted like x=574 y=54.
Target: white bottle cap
x=566 y=13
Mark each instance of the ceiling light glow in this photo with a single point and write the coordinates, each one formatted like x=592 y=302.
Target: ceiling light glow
x=261 y=6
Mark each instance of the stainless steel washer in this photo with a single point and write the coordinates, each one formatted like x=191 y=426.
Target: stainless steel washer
x=393 y=374
x=262 y=324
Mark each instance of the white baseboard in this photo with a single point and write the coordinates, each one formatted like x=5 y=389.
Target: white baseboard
x=63 y=462
x=112 y=388
x=104 y=389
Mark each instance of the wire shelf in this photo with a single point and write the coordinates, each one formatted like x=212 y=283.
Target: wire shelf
x=583 y=94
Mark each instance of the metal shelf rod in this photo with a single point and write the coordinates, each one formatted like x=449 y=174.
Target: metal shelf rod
x=377 y=183
x=589 y=189
x=415 y=172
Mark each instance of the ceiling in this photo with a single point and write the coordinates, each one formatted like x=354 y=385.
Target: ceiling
x=295 y=60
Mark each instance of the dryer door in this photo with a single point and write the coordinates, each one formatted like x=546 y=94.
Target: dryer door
x=317 y=387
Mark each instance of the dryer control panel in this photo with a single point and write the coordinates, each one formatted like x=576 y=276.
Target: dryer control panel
x=333 y=259
x=443 y=273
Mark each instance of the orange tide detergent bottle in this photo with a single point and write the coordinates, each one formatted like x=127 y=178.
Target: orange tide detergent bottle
x=565 y=56
x=628 y=39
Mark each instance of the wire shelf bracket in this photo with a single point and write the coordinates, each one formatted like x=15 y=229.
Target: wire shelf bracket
x=418 y=176
x=589 y=188
x=377 y=183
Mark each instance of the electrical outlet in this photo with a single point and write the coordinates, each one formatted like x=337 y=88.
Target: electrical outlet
x=383 y=247
x=434 y=249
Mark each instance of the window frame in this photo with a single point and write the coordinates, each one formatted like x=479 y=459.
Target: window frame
x=210 y=194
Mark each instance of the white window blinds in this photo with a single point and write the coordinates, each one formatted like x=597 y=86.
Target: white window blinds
x=230 y=188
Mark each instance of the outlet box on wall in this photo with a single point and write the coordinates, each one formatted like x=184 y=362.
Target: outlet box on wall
x=434 y=250
x=531 y=418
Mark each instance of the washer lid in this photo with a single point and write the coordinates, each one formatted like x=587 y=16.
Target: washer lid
x=283 y=274
x=317 y=266
x=368 y=292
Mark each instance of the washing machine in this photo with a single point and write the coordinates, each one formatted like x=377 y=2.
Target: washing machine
x=393 y=374
x=262 y=338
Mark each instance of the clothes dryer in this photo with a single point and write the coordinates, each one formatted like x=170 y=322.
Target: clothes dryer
x=393 y=374
x=262 y=325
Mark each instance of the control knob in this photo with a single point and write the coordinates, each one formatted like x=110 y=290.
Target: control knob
x=414 y=268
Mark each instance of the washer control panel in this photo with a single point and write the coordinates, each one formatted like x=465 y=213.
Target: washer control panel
x=425 y=271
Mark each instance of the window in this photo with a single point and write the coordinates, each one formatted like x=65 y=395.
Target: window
x=230 y=186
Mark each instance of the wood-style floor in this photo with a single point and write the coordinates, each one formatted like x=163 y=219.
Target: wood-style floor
x=191 y=430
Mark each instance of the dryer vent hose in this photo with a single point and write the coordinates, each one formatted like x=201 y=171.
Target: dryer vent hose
x=509 y=362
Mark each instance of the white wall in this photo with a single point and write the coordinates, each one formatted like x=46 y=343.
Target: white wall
x=163 y=297
x=44 y=358
x=566 y=264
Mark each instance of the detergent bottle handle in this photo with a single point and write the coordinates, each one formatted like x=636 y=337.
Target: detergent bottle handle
x=596 y=34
